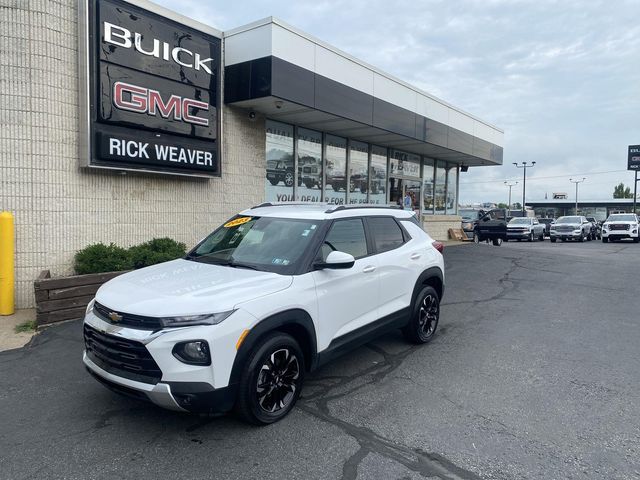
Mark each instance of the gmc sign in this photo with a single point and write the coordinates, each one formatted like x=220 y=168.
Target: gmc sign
x=152 y=90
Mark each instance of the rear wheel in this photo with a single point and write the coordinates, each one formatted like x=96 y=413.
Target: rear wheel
x=273 y=181
x=541 y=237
x=271 y=380
x=424 y=317
x=288 y=179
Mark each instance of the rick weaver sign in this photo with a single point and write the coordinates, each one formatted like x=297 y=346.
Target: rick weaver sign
x=153 y=91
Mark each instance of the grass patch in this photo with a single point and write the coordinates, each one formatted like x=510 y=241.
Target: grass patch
x=26 y=327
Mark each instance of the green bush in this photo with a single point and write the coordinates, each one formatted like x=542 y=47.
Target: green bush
x=100 y=258
x=155 y=251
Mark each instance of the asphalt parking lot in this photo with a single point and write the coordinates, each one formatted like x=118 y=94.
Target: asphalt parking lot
x=534 y=374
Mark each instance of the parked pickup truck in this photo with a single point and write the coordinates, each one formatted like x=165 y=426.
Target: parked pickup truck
x=525 y=228
x=491 y=225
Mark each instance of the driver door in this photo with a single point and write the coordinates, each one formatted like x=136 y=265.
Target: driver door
x=347 y=298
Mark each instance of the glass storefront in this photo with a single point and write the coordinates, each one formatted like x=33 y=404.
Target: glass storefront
x=378 y=175
x=309 y=166
x=336 y=170
x=279 y=176
x=358 y=162
x=375 y=174
x=440 y=188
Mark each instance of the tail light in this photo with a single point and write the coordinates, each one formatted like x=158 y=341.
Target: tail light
x=438 y=246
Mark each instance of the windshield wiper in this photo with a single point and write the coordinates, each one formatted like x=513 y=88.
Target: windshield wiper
x=233 y=264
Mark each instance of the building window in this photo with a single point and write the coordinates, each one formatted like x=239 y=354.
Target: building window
x=440 y=188
x=428 y=204
x=336 y=170
x=452 y=190
x=378 y=175
x=358 y=172
x=309 y=166
x=280 y=174
x=404 y=164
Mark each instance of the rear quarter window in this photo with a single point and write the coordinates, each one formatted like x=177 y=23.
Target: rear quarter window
x=386 y=233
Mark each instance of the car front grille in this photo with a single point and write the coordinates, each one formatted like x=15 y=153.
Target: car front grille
x=121 y=357
x=564 y=228
x=619 y=226
x=126 y=319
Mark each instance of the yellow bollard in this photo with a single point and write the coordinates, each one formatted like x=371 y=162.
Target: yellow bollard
x=7 y=306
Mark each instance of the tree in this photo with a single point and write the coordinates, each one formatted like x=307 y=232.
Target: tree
x=503 y=205
x=620 y=191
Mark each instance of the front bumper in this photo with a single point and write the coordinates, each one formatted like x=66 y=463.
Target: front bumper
x=566 y=235
x=619 y=234
x=516 y=235
x=178 y=386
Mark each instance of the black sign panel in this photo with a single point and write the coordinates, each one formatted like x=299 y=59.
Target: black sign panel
x=633 y=160
x=154 y=91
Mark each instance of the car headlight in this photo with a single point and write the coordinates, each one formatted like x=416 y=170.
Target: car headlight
x=90 y=306
x=208 y=319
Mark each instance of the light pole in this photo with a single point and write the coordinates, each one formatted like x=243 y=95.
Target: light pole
x=509 y=204
x=524 y=181
x=577 y=182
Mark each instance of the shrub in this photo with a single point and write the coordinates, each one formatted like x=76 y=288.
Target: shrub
x=100 y=258
x=156 y=251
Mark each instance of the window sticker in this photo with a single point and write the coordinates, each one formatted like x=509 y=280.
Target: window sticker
x=306 y=233
x=236 y=222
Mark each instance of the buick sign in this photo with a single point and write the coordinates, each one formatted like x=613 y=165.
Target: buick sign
x=151 y=99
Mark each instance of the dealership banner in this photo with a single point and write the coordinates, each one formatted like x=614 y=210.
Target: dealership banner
x=152 y=91
x=633 y=159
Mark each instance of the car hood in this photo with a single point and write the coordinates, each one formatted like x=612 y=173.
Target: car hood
x=183 y=287
x=577 y=225
x=620 y=222
x=513 y=225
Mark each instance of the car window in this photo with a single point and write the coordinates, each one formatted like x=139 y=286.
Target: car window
x=345 y=236
x=386 y=233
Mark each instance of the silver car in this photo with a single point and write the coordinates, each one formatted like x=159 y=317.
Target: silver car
x=525 y=228
x=573 y=227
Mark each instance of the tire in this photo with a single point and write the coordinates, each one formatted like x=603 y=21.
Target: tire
x=636 y=240
x=476 y=237
x=552 y=239
x=581 y=239
x=273 y=181
x=589 y=238
x=541 y=237
x=530 y=239
x=424 y=317
x=605 y=239
x=497 y=242
x=563 y=240
x=288 y=179
x=277 y=352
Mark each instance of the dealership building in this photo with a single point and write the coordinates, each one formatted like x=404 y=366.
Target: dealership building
x=123 y=121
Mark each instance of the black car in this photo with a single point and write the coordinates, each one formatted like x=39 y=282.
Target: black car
x=491 y=225
x=280 y=171
x=596 y=229
x=547 y=223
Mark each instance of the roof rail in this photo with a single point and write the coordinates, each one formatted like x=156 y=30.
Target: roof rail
x=283 y=204
x=349 y=207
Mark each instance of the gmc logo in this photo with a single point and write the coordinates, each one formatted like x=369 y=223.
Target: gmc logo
x=144 y=100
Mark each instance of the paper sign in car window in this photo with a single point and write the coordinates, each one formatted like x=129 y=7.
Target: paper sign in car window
x=237 y=221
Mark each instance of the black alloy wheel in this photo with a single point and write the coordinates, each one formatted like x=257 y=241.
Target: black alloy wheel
x=424 y=316
x=288 y=179
x=271 y=380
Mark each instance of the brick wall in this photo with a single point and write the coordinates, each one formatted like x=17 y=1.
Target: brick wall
x=60 y=207
x=437 y=226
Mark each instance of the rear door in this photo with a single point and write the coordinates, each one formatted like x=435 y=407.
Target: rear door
x=347 y=298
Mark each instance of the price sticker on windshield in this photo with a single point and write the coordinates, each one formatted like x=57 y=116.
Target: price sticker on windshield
x=236 y=222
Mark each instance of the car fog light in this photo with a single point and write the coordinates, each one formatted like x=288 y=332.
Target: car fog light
x=195 y=352
x=90 y=307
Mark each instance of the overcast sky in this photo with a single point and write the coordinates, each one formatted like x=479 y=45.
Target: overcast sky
x=561 y=78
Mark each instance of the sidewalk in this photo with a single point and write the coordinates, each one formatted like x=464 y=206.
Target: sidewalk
x=9 y=339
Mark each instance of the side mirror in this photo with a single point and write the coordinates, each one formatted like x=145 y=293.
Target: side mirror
x=335 y=261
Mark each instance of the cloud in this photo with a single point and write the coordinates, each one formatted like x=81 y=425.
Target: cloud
x=560 y=77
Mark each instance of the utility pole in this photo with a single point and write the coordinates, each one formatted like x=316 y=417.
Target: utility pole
x=509 y=204
x=524 y=181
x=577 y=182
x=635 y=192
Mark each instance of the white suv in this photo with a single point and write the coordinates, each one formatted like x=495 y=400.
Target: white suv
x=273 y=293
x=619 y=226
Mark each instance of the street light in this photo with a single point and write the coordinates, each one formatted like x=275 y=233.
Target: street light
x=577 y=182
x=509 y=204
x=524 y=182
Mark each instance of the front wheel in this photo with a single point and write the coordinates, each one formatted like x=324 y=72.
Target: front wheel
x=605 y=239
x=424 y=317
x=530 y=239
x=581 y=239
x=553 y=239
x=541 y=237
x=476 y=237
x=271 y=380
x=497 y=241
x=636 y=240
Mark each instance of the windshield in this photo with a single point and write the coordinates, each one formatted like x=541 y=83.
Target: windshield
x=468 y=214
x=519 y=221
x=569 y=220
x=621 y=218
x=260 y=243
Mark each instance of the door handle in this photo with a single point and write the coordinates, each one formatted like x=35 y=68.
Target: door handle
x=369 y=269
x=415 y=256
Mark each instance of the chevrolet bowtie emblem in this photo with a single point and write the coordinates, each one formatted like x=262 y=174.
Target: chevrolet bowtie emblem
x=115 y=317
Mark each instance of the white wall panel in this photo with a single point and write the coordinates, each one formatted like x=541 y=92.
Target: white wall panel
x=394 y=92
x=293 y=48
x=432 y=109
x=461 y=121
x=336 y=67
x=248 y=45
